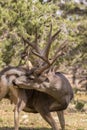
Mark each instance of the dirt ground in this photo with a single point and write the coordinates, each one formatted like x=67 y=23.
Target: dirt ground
x=29 y=121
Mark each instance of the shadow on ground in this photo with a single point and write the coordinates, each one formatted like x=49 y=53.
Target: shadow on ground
x=23 y=128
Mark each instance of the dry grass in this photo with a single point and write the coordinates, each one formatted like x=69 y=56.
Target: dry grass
x=74 y=120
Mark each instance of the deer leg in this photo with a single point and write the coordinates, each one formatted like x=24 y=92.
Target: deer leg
x=61 y=119
x=16 y=118
x=48 y=117
x=18 y=108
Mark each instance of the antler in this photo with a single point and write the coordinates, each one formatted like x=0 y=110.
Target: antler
x=50 y=40
x=44 y=54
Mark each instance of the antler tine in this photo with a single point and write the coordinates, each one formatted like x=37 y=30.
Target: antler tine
x=60 y=51
x=47 y=48
x=50 y=40
x=36 y=43
x=28 y=42
x=55 y=35
x=43 y=58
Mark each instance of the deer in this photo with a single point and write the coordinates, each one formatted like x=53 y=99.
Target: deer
x=43 y=77
x=28 y=100
x=39 y=89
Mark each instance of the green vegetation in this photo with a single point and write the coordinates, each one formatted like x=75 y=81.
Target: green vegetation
x=22 y=18
x=79 y=105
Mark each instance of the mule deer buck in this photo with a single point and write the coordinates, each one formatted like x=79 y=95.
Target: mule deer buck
x=42 y=78
x=41 y=89
x=31 y=101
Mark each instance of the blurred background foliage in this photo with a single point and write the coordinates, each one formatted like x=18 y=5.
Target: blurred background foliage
x=21 y=18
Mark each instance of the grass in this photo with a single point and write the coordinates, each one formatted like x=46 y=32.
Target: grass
x=30 y=121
